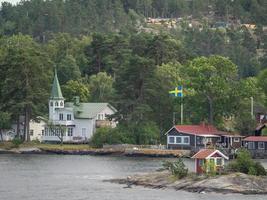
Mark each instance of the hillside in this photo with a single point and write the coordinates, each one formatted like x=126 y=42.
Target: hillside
x=111 y=51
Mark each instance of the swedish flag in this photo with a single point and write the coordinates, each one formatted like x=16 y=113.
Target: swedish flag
x=177 y=92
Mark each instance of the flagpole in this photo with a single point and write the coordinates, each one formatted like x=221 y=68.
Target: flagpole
x=182 y=111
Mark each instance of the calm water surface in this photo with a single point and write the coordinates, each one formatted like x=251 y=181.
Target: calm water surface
x=57 y=177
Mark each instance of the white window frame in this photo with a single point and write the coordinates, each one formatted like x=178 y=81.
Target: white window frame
x=253 y=145
x=184 y=140
x=100 y=116
x=69 y=118
x=259 y=145
x=216 y=162
x=236 y=139
x=174 y=140
x=70 y=131
x=61 y=114
x=177 y=138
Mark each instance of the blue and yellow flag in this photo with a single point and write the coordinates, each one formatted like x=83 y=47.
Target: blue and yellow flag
x=177 y=92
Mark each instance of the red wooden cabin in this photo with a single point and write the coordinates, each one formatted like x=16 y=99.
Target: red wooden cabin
x=214 y=156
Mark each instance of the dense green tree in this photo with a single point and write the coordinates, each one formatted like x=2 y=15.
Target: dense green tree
x=5 y=123
x=75 y=88
x=213 y=79
x=26 y=70
x=68 y=69
x=101 y=87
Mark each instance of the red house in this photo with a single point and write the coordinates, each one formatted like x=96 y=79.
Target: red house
x=256 y=145
x=213 y=156
x=195 y=137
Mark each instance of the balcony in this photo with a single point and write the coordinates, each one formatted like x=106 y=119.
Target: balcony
x=103 y=123
x=64 y=122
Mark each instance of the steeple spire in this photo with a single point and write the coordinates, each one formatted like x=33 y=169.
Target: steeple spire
x=56 y=90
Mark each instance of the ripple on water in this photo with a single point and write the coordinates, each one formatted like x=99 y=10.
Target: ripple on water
x=50 y=177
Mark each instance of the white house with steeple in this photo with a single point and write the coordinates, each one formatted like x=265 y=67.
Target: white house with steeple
x=74 y=121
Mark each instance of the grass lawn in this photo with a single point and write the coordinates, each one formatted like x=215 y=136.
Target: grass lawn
x=10 y=145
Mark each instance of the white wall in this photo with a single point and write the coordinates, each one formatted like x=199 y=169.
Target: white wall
x=36 y=129
x=84 y=123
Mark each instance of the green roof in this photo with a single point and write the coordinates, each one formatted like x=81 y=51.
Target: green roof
x=56 y=90
x=88 y=110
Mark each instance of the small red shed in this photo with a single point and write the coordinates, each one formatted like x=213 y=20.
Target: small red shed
x=213 y=156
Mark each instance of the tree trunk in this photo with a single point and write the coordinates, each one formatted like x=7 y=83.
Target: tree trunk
x=210 y=109
x=18 y=125
x=1 y=135
x=27 y=123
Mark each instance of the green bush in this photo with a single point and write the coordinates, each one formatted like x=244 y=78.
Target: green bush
x=177 y=168
x=210 y=168
x=16 y=142
x=245 y=164
x=110 y=136
x=144 y=132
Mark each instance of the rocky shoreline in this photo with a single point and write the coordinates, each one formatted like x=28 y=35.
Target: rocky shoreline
x=101 y=151
x=231 y=183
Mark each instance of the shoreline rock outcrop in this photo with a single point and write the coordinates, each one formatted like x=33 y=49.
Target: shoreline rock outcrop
x=230 y=183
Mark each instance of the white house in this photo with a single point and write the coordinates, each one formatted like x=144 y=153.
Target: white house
x=75 y=121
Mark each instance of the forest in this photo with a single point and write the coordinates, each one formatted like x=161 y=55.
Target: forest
x=103 y=53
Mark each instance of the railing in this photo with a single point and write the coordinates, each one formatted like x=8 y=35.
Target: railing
x=65 y=138
x=64 y=122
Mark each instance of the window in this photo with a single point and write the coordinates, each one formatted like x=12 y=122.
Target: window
x=42 y=132
x=218 y=161
x=201 y=162
x=236 y=140
x=70 y=131
x=51 y=103
x=199 y=140
x=31 y=132
x=208 y=140
x=100 y=116
x=186 y=139
x=60 y=116
x=261 y=145
x=171 y=139
x=61 y=103
x=68 y=116
x=178 y=140
x=56 y=104
x=251 y=145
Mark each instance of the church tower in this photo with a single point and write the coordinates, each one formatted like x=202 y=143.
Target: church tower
x=56 y=99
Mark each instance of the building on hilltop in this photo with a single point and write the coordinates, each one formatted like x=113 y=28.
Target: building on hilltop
x=74 y=121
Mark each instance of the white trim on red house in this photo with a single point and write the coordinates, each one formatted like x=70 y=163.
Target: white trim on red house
x=221 y=154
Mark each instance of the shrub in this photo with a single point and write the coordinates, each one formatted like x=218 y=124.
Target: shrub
x=210 y=168
x=177 y=168
x=245 y=164
x=16 y=142
x=110 y=136
x=260 y=170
